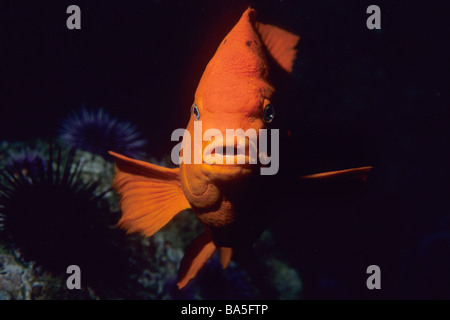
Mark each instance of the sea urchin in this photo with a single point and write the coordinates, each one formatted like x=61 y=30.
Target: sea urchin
x=56 y=220
x=27 y=161
x=98 y=133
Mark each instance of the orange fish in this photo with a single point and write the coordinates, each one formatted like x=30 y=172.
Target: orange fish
x=234 y=92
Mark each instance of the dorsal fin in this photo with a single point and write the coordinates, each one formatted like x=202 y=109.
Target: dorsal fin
x=150 y=195
x=280 y=44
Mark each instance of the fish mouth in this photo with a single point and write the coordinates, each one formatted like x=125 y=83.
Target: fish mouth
x=242 y=152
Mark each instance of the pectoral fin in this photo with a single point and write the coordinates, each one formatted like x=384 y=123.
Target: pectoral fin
x=354 y=173
x=197 y=253
x=150 y=195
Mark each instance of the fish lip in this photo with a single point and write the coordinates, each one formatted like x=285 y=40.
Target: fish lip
x=226 y=172
x=235 y=162
x=241 y=160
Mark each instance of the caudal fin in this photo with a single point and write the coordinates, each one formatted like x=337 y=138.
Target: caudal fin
x=197 y=253
x=150 y=195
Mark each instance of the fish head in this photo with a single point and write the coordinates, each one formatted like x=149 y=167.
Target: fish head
x=232 y=103
x=233 y=96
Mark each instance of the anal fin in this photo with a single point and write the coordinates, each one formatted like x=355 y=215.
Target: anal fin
x=225 y=256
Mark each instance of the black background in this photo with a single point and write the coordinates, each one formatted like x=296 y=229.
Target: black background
x=357 y=97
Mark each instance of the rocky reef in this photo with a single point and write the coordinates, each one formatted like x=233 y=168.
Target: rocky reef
x=151 y=264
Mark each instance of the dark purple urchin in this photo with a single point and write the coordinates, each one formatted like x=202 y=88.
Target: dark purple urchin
x=56 y=219
x=98 y=133
x=28 y=162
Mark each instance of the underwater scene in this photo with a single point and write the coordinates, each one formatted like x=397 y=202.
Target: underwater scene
x=224 y=150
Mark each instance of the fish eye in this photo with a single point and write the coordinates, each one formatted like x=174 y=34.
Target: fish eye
x=268 y=113
x=195 y=111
